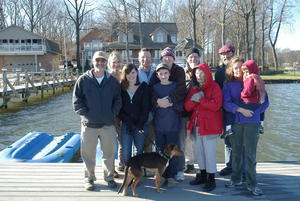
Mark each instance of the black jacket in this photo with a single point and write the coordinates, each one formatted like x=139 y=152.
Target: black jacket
x=220 y=75
x=97 y=104
x=135 y=113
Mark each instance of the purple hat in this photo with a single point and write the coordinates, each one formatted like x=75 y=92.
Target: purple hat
x=167 y=52
x=227 y=48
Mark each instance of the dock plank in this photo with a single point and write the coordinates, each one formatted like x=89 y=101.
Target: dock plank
x=64 y=182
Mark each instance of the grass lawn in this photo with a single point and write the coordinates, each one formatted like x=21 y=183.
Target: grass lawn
x=284 y=76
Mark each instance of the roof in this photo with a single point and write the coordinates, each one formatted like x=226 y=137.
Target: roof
x=187 y=43
x=18 y=33
x=147 y=30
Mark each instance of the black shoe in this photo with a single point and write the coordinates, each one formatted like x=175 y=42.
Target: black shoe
x=261 y=129
x=200 y=178
x=210 y=184
x=225 y=171
x=112 y=184
x=121 y=168
x=189 y=169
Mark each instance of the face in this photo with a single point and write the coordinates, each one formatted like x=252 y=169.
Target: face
x=225 y=57
x=193 y=60
x=100 y=64
x=169 y=60
x=131 y=77
x=115 y=64
x=237 y=72
x=200 y=76
x=163 y=75
x=245 y=72
x=145 y=59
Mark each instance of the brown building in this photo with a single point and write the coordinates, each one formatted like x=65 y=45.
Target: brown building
x=23 y=50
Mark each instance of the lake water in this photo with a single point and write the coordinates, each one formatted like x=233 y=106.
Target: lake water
x=280 y=142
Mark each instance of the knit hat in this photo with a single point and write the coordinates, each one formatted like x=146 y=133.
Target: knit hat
x=161 y=65
x=227 y=48
x=252 y=67
x=167 y=52
x=191 y=51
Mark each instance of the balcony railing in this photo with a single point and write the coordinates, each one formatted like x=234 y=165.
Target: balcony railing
x=22 y=48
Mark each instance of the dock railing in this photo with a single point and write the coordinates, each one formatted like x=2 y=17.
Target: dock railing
x=13 y=84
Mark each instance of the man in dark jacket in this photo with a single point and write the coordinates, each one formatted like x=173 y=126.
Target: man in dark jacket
x=97 y=99
x=226 y=53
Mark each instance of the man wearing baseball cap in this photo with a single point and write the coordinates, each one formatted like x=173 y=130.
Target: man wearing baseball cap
x=97 y=99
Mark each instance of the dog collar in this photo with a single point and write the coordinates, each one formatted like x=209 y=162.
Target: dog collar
x=164 y=155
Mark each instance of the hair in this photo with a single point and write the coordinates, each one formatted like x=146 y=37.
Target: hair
x=229 y=70
x=112 y=56
x=144 y=50
x=125 y=71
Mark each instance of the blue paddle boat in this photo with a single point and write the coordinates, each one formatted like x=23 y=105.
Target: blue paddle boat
x=38 y=147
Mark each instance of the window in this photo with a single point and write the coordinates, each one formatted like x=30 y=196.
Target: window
x=122 y=37
x=160 y=37
x=173 y=38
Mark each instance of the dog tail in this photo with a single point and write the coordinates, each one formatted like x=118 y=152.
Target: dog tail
x=124 y=181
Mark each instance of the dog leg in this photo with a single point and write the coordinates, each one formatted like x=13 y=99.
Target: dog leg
x=134 y=184
x=158 y=181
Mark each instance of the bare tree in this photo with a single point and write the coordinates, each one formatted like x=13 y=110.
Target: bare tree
x=245 y=8
x=274 y=26
x=35 y=11
x=193 y=6
x=76 y=11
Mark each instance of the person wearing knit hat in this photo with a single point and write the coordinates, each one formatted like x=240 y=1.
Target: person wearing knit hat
x=167 y=56
x=226 y=53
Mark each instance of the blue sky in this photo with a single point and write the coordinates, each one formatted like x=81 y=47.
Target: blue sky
x=289 y=36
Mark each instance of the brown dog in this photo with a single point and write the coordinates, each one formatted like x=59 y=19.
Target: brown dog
x=154 y=161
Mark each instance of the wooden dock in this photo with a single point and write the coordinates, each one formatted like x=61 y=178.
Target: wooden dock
x=23 y=84
x=64 y=181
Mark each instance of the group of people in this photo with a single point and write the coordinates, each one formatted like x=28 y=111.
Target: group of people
x=172 y=105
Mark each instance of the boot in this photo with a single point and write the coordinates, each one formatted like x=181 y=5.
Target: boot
x=200 y=178
x=211 y=183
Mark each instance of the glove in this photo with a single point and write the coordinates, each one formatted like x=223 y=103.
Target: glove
x=197 y=96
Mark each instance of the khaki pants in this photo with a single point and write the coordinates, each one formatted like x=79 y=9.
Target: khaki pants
x=89 y=141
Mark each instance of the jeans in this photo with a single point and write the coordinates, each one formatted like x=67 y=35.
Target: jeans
x=132 y=136
x=161 y=140
x=245 y=136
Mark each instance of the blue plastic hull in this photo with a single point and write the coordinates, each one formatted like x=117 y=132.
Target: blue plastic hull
x=37 y=147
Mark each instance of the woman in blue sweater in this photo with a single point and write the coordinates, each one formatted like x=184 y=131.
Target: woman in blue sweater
x=134 y=111
x=245 y=129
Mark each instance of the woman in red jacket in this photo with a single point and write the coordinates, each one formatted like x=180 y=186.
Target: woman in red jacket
x=204 y=100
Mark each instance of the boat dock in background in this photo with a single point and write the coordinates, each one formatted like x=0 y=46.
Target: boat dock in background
x=280 y=181
x=23 y=84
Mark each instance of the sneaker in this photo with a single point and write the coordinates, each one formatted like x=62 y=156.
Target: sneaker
x=179 y=176
x=111 y=184
x=171 y=182
x=121 y=168
x=89 y=185
x=116 y=174
x=189 y=169
x=225 y=171
x=232 y=184
x=255 y=191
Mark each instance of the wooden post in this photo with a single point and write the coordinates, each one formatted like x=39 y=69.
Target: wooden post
x=4 y=76
x=43 y=80
x=53 y=82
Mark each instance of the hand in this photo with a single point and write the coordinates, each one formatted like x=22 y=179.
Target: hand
x=163 y=103
x=197 y=96
x=245 y=112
